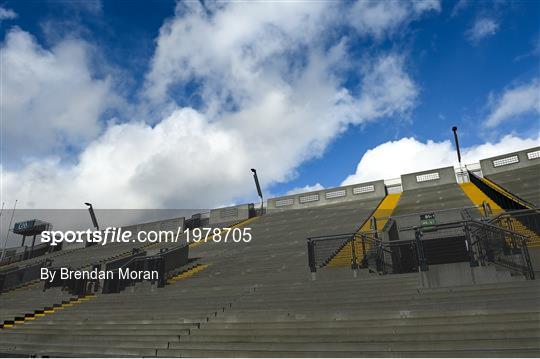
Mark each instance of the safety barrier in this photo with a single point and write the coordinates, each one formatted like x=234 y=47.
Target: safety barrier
x=165 y=262
x=501 y=246
x=478 y=242
x=15 y=277
x=504 y=201
x=376 y=255
x=522 y=221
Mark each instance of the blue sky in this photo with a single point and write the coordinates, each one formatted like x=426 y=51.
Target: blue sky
x=166 y=104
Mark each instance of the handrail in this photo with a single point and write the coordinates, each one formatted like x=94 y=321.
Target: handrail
x=422 y=212
x=329 y=236
x=159 y=261
x=496 y=191
x=484 y=241
x=514 y=213
x=465 y=222
x=14 y=277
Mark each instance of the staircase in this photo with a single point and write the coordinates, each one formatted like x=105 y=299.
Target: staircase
x=383 y=211
x=512 y=220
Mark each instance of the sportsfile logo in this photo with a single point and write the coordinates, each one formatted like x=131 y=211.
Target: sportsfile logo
x=117 y=235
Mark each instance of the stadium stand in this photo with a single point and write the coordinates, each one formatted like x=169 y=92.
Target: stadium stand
x=22 y=303
x=261 y=299
x=516 y=173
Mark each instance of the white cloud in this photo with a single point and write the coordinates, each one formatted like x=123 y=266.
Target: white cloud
x=461 y=5
x=7 y=14
x=394 y=158
x=50 y=100
x=514 y=102
x=272 y=86
x=482 y=28
x=134 y=165
x=380 y=18
x=308 y=188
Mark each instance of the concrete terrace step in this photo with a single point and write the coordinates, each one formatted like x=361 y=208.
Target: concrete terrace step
x=414 y=303
x=353 y=337
x=488 y=344
x=266 y=315
x=195 y=353
x=344 y=329
x=361 y=321
x=111 y=323
x=74 y=350
x=111 y=343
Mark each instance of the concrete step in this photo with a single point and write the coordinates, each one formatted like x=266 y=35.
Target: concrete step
x=203 y=353
x=379 y=322
x=268 y=315
x=128 y=323
x=366 y=330
x=256 y=336
x=74 y=350
x=416 y=304
x=82 y=336
x=94 y=332
x=111 y=342
x=507 y=344
x=259 y=298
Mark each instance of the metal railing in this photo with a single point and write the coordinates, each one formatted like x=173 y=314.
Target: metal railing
x=504 y=201
x=15 y=277
x=489 y=243
x=323 y=248
x=74 y=286
x=478 y=242
x=164 y=262
x=517 y=220
x=367 y=252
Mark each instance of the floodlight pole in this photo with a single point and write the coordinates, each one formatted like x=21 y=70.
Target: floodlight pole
x=454 y=129
x=256 y=179
x=7 y=233
x=92 y=215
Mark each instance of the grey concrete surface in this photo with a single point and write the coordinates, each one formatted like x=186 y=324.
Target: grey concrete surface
x=525 y=158
x=446 y=202
x=429 y=178
x=232 y=213
x=357 y=192
x=521 y=182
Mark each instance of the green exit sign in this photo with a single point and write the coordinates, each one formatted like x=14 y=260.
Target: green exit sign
x=428 y=219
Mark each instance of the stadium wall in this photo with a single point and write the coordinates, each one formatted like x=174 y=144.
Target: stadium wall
x=510 y=161
x=429 y=178
x=361 y=191
x=231 y=214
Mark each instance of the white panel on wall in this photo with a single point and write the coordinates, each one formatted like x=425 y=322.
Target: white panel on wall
x=534 y=154
x=363 y=189
x=428 y=177
x=229 y=212
x=505 y=161
x=284 y=202
x=336 y=194
x=309 y=198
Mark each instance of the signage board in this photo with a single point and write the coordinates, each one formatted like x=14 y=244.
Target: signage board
x=428 y=219
x=23 y=226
